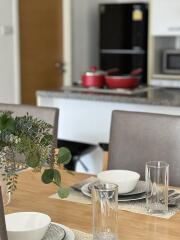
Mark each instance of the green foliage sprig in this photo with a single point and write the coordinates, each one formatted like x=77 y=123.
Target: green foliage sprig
x=27 y=142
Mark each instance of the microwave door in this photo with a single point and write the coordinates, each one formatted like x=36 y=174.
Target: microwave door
x=171 y=62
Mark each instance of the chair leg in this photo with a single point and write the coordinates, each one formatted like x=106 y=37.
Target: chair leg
x=105 y=161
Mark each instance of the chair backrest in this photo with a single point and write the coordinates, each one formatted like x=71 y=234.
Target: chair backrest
x=47 y=114
x=3 y=232
x=137 y=138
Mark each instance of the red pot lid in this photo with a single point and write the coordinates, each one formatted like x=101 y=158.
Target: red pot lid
x=94 y=71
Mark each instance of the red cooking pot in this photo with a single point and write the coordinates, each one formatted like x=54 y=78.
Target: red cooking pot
x=124 y=81
x=95 y=77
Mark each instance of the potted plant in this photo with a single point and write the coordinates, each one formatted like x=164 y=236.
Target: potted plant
x=27 y=142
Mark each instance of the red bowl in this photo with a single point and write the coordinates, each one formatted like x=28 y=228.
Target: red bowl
x=122 y=81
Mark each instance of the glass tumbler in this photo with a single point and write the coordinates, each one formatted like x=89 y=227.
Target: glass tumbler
x=105 y=210
x=157 y=180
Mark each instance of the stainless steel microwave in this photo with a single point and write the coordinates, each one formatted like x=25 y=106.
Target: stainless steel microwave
x=171 y=61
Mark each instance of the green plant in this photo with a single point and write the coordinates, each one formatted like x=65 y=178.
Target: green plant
x=27 y=142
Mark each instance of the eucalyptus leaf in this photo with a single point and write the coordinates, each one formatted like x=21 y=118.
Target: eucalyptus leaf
x=64 y=156
x=57 y=177
x=63 y=192
x=33 y=159
x=47 y=176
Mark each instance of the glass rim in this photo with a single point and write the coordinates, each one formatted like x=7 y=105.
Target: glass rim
x=112 y=187
x=157 y=164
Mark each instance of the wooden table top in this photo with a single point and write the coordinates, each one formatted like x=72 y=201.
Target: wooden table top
x=32 y=195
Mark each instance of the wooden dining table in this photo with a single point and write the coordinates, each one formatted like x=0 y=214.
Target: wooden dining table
x=33 y=195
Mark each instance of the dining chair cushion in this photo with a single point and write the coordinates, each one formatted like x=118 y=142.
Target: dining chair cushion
x=137 y=138
x=47 y=114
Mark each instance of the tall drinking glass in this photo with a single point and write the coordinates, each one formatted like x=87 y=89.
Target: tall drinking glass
x=157 y=180
x=105 y=207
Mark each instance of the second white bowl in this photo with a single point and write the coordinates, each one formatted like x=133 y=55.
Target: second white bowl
x=126 y=180
x=27 y=225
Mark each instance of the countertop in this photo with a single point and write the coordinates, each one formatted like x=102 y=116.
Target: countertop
x=149 y=95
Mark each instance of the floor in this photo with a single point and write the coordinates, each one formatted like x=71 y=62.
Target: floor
x=92 y=161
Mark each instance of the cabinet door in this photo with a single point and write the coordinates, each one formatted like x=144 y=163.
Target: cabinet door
x=165 y=17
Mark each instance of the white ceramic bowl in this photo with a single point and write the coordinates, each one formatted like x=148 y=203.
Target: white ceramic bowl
x=27 y=225
x=126 y=180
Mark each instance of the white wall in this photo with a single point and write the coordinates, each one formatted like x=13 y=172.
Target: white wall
x=9 y=52
x=85 y=34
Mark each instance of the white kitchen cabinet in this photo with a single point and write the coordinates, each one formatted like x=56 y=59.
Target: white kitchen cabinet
x=165 y=17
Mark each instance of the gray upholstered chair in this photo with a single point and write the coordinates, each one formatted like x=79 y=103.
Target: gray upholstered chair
x=136 y=138
x=49 y=115
x=3 y=232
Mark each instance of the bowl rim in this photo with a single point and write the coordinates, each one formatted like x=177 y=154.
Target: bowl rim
x=136 y=174
x=30 y=229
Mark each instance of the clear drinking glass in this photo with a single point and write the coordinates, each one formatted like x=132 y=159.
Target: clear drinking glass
x=157 y=180
x=105 y=210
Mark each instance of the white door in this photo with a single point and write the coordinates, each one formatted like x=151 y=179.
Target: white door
x=9 y=53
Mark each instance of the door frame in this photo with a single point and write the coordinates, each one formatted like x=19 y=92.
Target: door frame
x=67 y=42
x=16 y=51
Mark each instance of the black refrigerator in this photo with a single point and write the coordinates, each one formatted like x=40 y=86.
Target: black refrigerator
x=123 y=37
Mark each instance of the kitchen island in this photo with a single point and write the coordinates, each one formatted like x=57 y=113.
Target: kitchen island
x=85 y=115
x=146 y=95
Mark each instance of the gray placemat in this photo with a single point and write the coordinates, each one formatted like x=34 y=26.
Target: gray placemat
x=131 y=206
